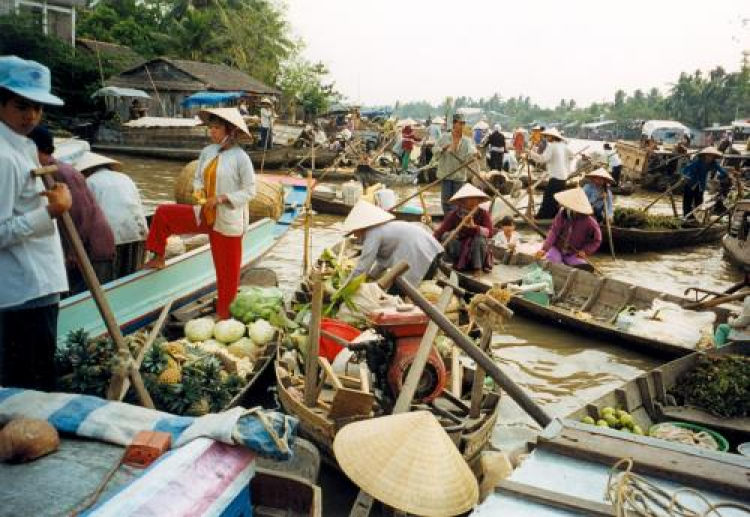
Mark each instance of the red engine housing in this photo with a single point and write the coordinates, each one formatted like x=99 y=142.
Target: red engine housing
x=434 y=377
x=406 y=329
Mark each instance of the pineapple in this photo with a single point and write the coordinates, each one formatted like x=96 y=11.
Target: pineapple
x=200 y=407
x=174 y=348
x=171 y=375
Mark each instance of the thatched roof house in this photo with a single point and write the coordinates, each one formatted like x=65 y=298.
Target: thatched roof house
x=170 y=81
x=122 y=57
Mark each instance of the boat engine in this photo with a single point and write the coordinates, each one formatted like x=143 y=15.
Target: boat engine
x=403 y=330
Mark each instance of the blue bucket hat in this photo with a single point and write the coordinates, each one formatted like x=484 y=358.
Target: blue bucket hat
x=28 y=79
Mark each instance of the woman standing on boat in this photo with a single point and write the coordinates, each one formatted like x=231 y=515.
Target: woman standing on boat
x=469 y=250
x=599 y=193
x=224 y=183
x=574 y=235
x=557 y=156
x=696 y=173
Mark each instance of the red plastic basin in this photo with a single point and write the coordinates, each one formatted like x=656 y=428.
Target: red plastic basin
x=328 y=347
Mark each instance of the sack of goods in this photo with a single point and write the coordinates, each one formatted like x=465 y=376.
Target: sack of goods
x=668 y=322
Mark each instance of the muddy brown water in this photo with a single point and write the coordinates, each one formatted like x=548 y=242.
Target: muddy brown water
x=561 y=370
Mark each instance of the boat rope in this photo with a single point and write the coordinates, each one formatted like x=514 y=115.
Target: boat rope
x=482 y=308
x=632 y=494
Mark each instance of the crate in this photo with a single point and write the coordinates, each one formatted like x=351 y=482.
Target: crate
x=634 y=159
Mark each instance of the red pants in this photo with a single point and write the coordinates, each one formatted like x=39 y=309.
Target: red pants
x=225 y=251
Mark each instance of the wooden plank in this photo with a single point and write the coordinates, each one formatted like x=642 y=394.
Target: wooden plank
x=554 y=499
x=645 y=392
x=622 y=399
x=661 y=391
x=329 y=373
x=701 y=469
x=456 y=372
x=569 y=281
x=477 y=387
x=594 y=295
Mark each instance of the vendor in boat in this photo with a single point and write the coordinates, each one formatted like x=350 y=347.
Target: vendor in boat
x=696 y=175
x=89 y=219
x=452 y=150
x=408 y=139
x=469 y=250
x=574 y=235
x=557 y=156
x=496 y=147
x=614 y=162
x=120 y=200
x=224 y=184
x=266 y=123
x=386 y=242
x=599 y=193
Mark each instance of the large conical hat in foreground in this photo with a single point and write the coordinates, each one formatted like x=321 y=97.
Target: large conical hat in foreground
x=576 y=200
x=365 y=215
x=601 y=173
x=231 y=115
x=469 y=191
x=407 y=461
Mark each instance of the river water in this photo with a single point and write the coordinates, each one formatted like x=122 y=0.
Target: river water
x=561 y=370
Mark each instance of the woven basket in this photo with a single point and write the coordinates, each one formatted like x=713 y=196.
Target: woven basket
x=268 y=200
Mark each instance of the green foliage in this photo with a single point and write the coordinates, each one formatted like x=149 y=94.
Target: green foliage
x=637 y=218
x=697 y=100
x=75 y=75
x=304 y=83
x=720 y=385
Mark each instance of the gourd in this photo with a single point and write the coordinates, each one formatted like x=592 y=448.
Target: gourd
x=26 y=439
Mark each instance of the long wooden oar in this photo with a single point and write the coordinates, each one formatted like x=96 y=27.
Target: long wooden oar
x=665 y=193
x=608 y=224
x=124 y=368
x=466 y=220
x=436 y=182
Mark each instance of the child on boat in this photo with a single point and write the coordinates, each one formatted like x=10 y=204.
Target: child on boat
x=507 y=237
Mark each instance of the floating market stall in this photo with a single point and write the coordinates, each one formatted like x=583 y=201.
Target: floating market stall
x=611 y=309
x=635 y=231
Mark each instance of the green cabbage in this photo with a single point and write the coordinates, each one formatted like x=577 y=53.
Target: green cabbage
x=253 y=303
x=199 y=329
x=261 y=332
x=229 y=331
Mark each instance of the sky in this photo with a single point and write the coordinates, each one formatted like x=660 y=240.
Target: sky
x=383 y=51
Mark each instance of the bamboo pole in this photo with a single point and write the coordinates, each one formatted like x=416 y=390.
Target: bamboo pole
x=466 y=220
x=124 y=369
x=666 y=192
x=477 y=388
x=436 y=182
x=607 y=206
x=313 y=347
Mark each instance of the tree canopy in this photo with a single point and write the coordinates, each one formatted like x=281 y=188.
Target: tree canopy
x=697 y=100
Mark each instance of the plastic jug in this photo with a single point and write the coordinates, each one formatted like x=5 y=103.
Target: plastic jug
x=351 y=191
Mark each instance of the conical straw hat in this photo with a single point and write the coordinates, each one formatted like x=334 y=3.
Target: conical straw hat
x=407 y=461
x=90 y=160
x=553 y=132
x=231 y=115
x=576 y=200
x=711 y=150
x=601 y=173
x=365 y=215
x=469 y=191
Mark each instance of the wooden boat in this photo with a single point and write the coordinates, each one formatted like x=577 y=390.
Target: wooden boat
x=137 y=299
x=324 y=203
x=735 y=241
x=345 y=399
x=648 y=400
x=634 y=240
x=72 y=474
x=583 y=302
x=370 y=176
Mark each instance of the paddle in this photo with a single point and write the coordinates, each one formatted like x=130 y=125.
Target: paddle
x=124 y=368
x=605 y=195
x=666 y=192
x=466 y=220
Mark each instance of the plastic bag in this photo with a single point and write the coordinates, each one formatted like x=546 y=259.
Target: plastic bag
x=536 y=275
x=670 y=323
x=368 y=298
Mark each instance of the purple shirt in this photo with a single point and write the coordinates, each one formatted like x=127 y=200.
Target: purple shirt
x=581 y=233
x=89 y=220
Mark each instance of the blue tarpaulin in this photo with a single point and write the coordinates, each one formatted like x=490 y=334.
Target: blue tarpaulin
x=211 y=98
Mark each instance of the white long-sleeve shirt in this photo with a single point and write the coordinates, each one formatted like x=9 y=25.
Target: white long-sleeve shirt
x=388 y=244
x=235 y=178
x=120 y=201
x=557 y=156
x=31 y=256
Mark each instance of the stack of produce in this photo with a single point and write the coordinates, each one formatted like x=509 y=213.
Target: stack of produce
x=615 y=419
x=717 y=384
x=638 y=219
